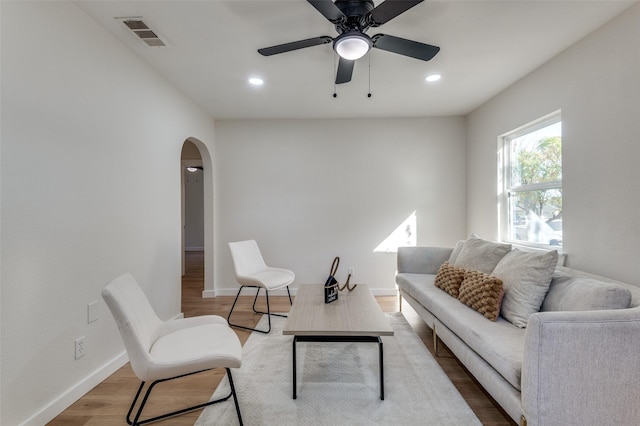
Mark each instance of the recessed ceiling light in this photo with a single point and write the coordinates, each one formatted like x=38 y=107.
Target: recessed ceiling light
x=433 y=77
x=255 y=81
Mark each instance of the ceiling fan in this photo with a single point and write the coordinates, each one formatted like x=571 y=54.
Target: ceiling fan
x=352 y=19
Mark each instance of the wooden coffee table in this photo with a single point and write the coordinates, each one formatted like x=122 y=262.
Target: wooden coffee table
x=354 y=317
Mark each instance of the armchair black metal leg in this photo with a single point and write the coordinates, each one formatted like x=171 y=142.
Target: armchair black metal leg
x=135 y=399
x=268 y=310
x=255 y=299
x=254 y=302
x=268 y=313
x=137 y=422
x=233 y=306
x=235 y=397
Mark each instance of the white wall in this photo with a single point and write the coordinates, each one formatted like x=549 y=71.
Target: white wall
x=596 y=84
x=309 y=190
x=90 y=174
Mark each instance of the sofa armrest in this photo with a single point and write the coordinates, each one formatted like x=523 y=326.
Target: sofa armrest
x=422 y=260
x=582 y=368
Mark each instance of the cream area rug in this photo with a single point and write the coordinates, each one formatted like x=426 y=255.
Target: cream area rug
x=338 y=383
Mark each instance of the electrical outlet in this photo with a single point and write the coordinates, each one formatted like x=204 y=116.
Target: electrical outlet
x=92 y=312
x=80 y=347
x=350 y=271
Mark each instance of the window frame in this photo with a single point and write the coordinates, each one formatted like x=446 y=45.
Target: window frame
x=505 y=187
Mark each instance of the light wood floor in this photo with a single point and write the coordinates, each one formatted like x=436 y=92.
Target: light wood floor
x=107 y=403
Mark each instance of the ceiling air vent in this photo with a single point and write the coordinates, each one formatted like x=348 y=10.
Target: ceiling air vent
x=142 y=31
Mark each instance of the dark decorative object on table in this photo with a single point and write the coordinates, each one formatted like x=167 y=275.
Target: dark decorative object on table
x=331 y=285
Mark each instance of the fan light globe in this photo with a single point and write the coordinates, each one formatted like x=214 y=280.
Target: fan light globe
x=352 y=46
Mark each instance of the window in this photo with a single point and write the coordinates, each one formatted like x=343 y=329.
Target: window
x=532 y=176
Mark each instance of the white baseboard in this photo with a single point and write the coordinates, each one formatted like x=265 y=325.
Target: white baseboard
x=384 y=291
x=209 y=293
x=65 y=400
x=283 y=292
x=245 y=292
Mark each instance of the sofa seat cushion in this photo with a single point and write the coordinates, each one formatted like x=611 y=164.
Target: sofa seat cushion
x=499 y=343
x=422 y=288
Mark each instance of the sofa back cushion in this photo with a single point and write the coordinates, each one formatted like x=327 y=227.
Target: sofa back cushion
x=456 y=251
x=526 y=278
x=567 y=293
x=481 y=255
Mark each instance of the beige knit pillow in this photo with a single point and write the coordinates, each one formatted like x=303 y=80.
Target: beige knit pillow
x=449 y=278
x=482 y=292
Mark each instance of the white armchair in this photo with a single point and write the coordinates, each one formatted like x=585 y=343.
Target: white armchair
x=163 y=350
x=251 y=271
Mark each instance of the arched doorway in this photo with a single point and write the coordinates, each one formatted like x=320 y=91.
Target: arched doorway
x=192 y=199
x=196 y=176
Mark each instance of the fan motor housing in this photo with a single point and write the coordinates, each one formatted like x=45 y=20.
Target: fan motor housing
x=356 y=12
x=355 y=7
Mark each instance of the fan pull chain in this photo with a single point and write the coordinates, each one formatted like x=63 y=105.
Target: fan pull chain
x=335 y=94
x=369 y=94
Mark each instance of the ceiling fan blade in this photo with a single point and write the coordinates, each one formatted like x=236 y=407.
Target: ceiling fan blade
x=328 y=9
x=389 y=9
x=345 y=70
x=295 y=45
x=402 y=46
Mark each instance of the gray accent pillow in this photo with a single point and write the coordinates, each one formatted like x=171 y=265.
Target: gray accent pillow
x=456 y=251
x=526 y=278
x=568 y=293
x=481 y=255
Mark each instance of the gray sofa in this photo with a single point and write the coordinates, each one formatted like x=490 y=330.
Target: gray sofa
x=568 y=366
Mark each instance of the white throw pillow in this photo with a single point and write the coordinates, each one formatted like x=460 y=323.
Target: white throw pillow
x=481 y=255
x=526 y=278
x=456 y=251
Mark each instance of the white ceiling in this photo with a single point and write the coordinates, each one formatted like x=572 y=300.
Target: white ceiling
x=485 y=47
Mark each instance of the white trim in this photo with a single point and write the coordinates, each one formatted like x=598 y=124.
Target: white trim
x=283 y=292
x=64 y=401
x=505 y=188
x=536 y=186
x=208 y=294
x=534 y=125
x=234 y=291
x=384 y=291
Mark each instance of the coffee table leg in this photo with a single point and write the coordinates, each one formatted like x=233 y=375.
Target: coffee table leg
x=381 y=369
x=295 y=339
